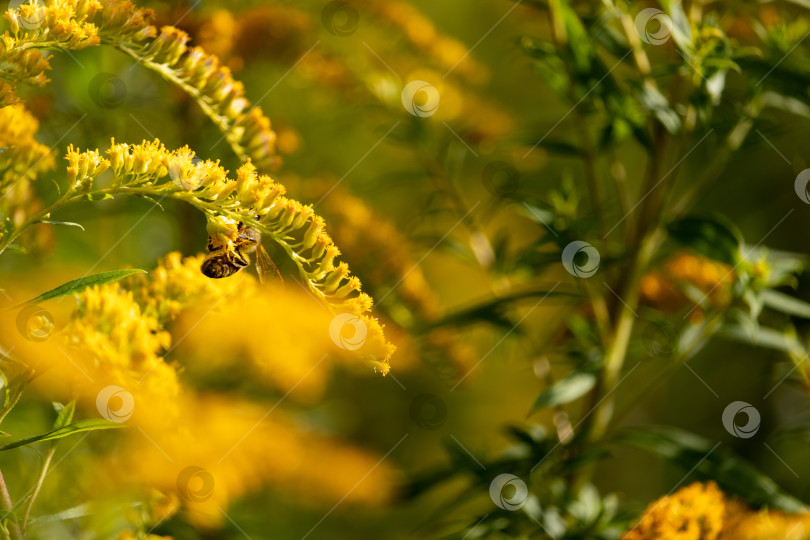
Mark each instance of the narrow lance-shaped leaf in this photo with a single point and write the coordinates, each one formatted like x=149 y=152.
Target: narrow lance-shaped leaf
x=80 y=284
x=786 y=304
x=81 y=426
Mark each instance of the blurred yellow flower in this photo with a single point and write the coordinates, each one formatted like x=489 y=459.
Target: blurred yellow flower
x=223 y=449
x=703 y=512
x=691 y=513
x=203 y=451
x=22 y=160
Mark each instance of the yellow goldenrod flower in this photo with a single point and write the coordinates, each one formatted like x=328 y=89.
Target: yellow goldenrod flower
x=111 y=342
x=116 y=338
x=703 y=512
x=691 y=513
x=385 y=261
x=244 y=449
x=78 y=24
x=22 y=160
x=742 y=523
x=252 y=199
x=220 y=319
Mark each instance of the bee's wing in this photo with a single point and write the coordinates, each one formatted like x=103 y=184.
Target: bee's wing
x=268 y=272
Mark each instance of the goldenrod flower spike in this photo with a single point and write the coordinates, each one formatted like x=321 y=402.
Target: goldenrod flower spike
x=78 y=24
x=703 y=512
x=149 y=169
x=22 y=161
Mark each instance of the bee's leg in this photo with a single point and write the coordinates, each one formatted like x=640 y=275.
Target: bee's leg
x=240 y=259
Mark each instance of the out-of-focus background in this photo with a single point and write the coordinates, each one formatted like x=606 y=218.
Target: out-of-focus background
x=417 y=205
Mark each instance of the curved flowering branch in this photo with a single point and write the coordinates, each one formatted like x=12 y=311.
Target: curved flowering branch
x=79 y=24
x=150 y=170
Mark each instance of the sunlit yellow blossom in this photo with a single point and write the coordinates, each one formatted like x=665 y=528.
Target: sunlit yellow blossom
x=111 y=342
x=743 y=523
x=252 y=199
x=177 y=283
x=22 y=160
x=703 y=512
x=223 y=450
x=276 y=337
x=383 y=258
x=78 y=24
x=695 y=512
x=116 y=337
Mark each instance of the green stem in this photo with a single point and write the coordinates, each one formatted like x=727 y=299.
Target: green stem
x=624 y=329
x=37 y=487
x=6 y=506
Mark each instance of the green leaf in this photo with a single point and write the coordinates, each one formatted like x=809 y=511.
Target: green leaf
x=66 y=223
x=572 y=387
x=78 y=285
x=65 y=414
x=81 y=426
x=713 y=236
x=786 y=304
x=15 y=248
x=681 y=29
x=711 y=461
